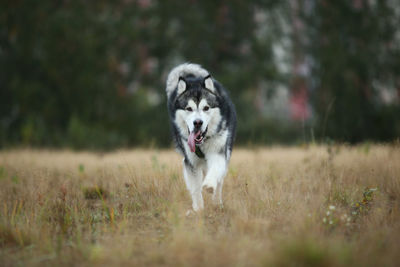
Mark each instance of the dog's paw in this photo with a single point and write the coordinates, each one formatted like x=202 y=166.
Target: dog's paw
x=193 y=213
x=190 y=213
x=209 y=187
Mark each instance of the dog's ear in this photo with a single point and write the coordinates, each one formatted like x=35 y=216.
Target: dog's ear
x=181 y=85
x=209 y=84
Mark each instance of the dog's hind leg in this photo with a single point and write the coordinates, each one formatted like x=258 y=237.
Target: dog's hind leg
x=216 y=165
x=193 y=180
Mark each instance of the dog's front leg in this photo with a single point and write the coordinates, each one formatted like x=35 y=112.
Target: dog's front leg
x=193 y=179
x=216 y=170
x=218 y=198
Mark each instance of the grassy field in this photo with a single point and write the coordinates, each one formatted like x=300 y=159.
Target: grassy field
x=305 y=206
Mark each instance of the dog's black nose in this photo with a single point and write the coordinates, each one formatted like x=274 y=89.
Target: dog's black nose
x=197 y=123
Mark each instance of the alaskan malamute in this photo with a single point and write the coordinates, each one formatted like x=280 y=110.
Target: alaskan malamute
x=203 y=122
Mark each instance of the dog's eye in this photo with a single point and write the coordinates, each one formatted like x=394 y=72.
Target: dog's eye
x=189 y=109
x=206 y=108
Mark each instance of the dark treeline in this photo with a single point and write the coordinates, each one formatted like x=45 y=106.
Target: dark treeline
x=91 y=74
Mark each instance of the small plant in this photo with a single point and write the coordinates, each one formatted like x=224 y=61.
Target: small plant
x=333 y=218
x=15 y=179
x=363 y=206
x=330 y=218
x=3 y=173
x=81 y=168
x=174 y=176
x=156 y=164
x=95 y=193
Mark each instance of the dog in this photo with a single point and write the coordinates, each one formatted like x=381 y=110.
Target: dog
x=203 y=123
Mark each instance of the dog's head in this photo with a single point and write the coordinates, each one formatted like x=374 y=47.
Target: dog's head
x=197 y=108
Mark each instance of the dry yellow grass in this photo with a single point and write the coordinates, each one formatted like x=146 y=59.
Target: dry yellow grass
x=311 y=206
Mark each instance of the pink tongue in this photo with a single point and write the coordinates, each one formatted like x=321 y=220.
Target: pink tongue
x=191 y=141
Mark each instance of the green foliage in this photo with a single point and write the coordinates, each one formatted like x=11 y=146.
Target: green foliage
x=95 y=193
x=81 y=168
x=81 y=135
x=92 y=75
x=356 y=57
x=363 y=206
x=309 y=252
x=3 y=173
x=15 y=179
x=352 y=213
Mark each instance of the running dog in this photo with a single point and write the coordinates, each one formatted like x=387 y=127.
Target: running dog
x=203 y=122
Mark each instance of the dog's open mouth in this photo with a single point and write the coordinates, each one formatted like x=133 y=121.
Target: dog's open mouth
x=196 y=138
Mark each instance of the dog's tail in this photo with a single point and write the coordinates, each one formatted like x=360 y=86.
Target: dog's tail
x=182 y=71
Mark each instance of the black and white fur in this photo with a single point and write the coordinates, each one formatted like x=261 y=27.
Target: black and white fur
x=197 y=103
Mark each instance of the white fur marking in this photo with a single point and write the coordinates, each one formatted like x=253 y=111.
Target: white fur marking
x=216 y=165
x=193 y=183
x=181 y=71
x=185 y=119
x=209 y=84
x=202 y=104
x=181 y=86
x=192 y=104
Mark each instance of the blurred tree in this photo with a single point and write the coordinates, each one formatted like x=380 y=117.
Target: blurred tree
x=355 y=49
x=92 y=74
